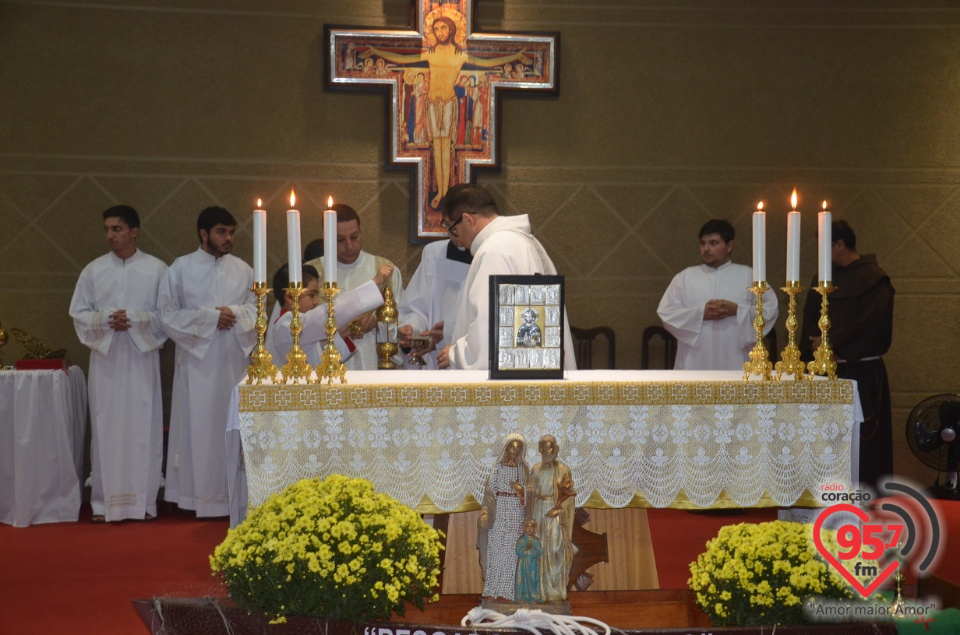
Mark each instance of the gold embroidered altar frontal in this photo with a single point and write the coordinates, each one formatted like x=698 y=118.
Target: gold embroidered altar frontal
x=647 y=438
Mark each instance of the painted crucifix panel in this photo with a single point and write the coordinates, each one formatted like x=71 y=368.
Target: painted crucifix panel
x=444 y=81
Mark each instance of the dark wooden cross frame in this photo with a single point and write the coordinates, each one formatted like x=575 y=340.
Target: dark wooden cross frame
x=445 y=82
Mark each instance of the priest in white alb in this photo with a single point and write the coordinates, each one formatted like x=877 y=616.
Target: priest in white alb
x=432 y=297
x=354 y=268
x=114 y=311
x=207 y=307
x=710 y=309
x=501 y=245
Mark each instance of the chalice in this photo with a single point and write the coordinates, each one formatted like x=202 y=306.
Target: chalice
x=420 y=346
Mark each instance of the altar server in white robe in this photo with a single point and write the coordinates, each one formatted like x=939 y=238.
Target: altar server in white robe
x=347 y=305
x=354 y=268
x=207 y=307
x=501 y=245
x=114 y=311
x=710 y=309
x=432 y=297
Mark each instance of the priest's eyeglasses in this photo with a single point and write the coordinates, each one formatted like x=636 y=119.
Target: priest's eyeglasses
x=452 y=228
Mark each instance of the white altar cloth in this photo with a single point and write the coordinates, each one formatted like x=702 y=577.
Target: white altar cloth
x=692 y=439
x=42 y=422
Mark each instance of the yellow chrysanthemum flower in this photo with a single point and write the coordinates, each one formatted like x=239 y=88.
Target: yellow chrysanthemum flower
x=753 y=574
x=323 y=539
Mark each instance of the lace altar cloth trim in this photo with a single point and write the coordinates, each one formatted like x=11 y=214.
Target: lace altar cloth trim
x=267 y=398
x=665 y=442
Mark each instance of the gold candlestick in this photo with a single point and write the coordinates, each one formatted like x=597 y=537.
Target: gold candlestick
x=330 y=365
x=759 y=363
x=261 y=361
x=296 y=368
x=790 y=362
x=823 y=362
x=898 y=606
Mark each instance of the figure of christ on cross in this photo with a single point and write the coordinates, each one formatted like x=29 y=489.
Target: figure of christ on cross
x=445 y=57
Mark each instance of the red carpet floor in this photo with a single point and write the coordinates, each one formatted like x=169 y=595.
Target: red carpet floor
x=80 y=578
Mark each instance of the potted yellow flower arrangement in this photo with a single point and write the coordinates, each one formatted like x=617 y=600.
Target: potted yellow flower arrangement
x=330 y=548
x=753 y=574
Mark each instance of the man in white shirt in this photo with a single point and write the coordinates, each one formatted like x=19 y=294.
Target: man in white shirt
x=114 y=311
x=501 y=245
x=432 y=297
x=710 y=309
x=207 y=307
x=355 y=267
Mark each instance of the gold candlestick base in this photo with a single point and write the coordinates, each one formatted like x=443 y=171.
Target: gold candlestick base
x=261 y=361
x=330 y=365
x=790 y=363
x=823 y=362
x=759 y=364
x=296 y=369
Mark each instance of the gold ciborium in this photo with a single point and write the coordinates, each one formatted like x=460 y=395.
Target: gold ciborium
x=261 y=361
x=790 y=363
x=330 y=365
x=759 y=364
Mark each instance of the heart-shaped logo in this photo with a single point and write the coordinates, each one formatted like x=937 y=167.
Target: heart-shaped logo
x=836 y=564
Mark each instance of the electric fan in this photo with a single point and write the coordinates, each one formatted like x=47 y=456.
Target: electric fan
x=933 y=432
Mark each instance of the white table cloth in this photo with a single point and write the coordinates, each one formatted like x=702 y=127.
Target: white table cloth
x=42 y=422
x=686 y=439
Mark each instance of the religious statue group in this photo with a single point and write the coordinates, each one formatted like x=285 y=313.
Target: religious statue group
x=525 y=528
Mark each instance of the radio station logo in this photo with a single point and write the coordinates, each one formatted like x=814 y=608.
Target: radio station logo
x=880 y=534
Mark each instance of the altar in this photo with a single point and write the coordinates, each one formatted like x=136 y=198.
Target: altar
x=688 y=439
x=632 y=438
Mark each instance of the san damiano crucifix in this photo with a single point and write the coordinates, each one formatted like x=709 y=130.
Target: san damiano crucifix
x=444 y=81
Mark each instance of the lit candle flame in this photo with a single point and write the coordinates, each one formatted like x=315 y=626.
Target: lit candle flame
x=793 y=199
x=824 y=206
x=259 y=203
x=329 y=202
x=760 y=206
x=293 y=199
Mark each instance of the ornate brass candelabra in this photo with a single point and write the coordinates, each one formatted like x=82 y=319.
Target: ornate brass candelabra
x=790 y=363
x=759 y=363
x=823 y=362
x=387 y=345
x=898 y=606
x=3 y=341
x=261 y=361
x=296 y=369
x=330 y=365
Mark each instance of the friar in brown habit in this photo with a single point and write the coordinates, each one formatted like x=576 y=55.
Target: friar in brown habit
x=861 y=329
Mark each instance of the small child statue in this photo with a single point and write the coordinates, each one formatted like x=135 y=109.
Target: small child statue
x=529 y=550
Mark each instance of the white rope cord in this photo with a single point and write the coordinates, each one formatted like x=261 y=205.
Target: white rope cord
x=533 y=620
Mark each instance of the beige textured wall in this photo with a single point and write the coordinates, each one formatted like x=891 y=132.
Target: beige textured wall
x=669 y=114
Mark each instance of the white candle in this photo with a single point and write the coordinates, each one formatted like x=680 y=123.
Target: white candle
x=793 y=241
x=293 y=243
x=825 y=235
x=259 y=243
x=330 y=243
x=759 y=244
